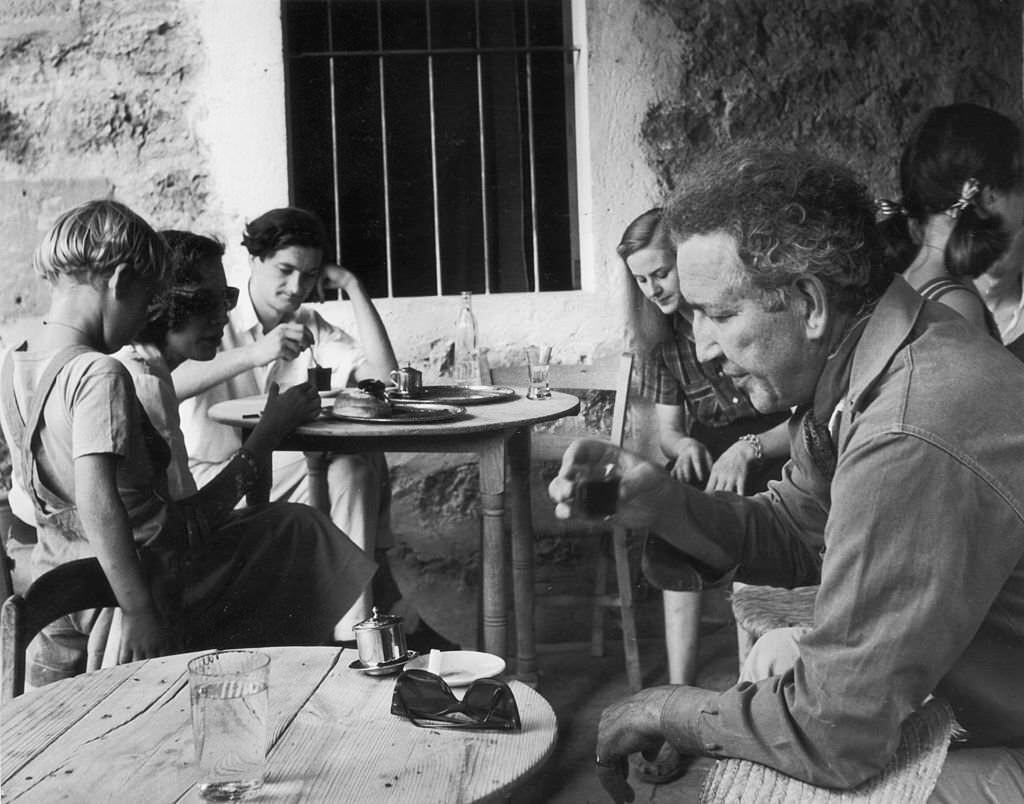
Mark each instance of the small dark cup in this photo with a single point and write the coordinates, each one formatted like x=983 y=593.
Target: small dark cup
x=597 y=494
x=320 y=378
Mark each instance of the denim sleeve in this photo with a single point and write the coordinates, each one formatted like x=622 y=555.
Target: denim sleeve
x=921 y=548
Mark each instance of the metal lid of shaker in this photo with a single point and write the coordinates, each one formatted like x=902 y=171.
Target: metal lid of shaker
x=377 y=621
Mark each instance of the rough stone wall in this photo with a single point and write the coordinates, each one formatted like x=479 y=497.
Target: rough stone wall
x=846 y=77
x=96 y=101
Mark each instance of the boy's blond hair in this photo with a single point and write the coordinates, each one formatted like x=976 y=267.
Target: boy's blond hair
x=88 y=242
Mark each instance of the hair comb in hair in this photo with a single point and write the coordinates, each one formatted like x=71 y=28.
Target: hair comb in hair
x=967 y=193
x=884 y=208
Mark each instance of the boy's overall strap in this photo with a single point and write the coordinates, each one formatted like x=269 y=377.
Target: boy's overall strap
x=23 y=428
x=9 y=401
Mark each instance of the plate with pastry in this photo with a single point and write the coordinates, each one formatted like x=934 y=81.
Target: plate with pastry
x=357 y=405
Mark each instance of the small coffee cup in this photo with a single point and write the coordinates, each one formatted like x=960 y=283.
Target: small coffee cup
x=408 y=381
x=597 y=490
x=320 y=377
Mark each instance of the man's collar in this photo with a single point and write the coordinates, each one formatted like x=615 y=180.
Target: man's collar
x=244 y=315
x=835 y=375
x=887 y=330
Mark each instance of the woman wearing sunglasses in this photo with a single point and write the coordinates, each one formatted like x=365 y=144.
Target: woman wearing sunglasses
x=185 y=323
x=251 y=556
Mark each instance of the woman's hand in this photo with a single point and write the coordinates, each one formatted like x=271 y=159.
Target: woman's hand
x=732 y=469
x=693 y=461
x=284 y=411
x=142 y=636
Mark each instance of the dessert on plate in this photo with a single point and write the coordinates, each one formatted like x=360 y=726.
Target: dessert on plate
x=368 y=401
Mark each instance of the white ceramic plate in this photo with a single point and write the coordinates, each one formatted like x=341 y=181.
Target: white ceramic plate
x=459 y=668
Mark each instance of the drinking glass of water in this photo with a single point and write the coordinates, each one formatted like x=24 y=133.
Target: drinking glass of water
x=229 y=695
x=538 y=362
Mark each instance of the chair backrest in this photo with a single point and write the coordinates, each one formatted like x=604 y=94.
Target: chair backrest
x=71 y=587
x=606 y=375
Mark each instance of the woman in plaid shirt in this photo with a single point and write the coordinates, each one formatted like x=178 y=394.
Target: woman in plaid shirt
x=711 y=434
x=709 y=431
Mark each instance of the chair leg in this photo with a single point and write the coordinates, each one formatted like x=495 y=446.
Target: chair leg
x=682 y=634
x=624 y=579
x=12 y=661
x=598 y=607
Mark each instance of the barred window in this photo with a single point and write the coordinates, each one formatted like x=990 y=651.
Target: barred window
x=435 y=138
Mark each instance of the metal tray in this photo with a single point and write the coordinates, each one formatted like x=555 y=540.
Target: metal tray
x=405 y=413
x=460 y=394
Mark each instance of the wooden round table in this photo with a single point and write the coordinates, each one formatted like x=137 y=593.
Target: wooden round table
x=499 y=433
x=124 y=734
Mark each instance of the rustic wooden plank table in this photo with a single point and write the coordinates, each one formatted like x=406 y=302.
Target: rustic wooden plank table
x=124 y=734
x=494 y=432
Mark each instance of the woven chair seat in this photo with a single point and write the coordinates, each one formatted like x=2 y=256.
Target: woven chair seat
x=908 y=778
x=759 y=609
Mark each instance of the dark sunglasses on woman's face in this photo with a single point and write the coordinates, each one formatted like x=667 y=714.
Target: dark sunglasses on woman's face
x=205 y=302
x=426 y=700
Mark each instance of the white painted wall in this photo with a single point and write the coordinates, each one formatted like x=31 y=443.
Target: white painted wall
x=240 y=113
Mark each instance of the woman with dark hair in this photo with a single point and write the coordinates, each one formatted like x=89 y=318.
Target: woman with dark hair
x=708 y=430
x=962 y=180
x=282 y=552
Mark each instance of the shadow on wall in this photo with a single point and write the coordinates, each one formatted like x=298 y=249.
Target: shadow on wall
x=844 y=77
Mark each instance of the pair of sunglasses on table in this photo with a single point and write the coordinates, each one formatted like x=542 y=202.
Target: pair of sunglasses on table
x=427 y=700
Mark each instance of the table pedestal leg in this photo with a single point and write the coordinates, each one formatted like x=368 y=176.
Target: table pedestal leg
x=316 y=465
x=520 y=513
x=493 y=563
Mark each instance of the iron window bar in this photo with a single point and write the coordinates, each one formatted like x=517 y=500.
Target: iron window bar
x=380 y=53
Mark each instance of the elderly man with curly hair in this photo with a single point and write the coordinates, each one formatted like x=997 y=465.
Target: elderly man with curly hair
x=904 y=494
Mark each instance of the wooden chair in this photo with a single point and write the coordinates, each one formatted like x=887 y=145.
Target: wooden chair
x=71 y=587
x=614 y=376
x=908 y=778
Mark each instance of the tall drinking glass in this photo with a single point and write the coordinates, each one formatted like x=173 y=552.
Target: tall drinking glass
x=229 y=695
x=538 y=363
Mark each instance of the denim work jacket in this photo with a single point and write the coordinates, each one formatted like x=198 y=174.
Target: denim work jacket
x=919 y=541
